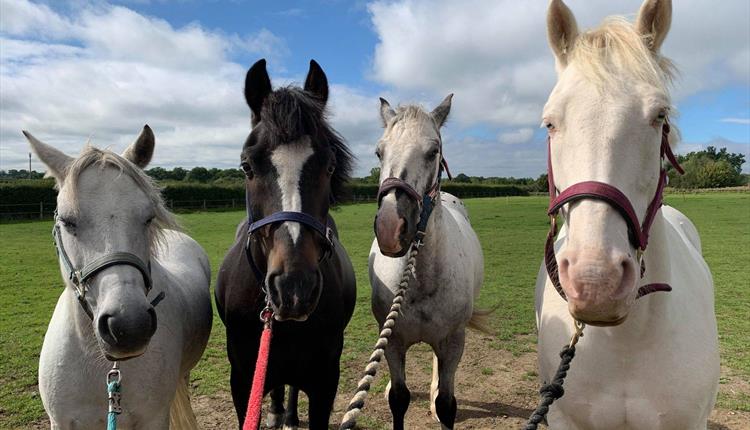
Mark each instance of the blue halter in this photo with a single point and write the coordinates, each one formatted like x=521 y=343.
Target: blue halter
x=324 y=230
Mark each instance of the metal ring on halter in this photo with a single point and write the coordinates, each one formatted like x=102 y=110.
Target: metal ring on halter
x=114 y=374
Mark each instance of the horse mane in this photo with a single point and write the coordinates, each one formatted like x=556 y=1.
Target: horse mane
x=103 y=158
x=290 y=113
x=615 y=47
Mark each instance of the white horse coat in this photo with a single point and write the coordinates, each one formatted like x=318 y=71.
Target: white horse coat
x=72 y=364
x=651 y=363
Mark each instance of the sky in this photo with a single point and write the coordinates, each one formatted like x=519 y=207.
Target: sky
x=88 y=70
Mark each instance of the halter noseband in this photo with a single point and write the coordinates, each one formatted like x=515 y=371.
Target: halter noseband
x=324 y=230
x=425 y=201
x=638 y=233
x=80 y=277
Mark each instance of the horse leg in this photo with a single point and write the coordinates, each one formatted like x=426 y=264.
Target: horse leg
x=275 y=416
x=242 y=360
x=397 y=393
x=448 y=352
x=322 y=396
x=291 y=419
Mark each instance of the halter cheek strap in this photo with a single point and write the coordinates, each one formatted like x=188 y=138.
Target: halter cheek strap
x=80 y=277
x=638 y=232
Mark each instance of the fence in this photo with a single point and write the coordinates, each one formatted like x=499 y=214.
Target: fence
x=46 y=210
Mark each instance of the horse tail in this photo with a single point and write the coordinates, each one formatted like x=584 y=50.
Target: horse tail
x=181 y=416
x=479 y=320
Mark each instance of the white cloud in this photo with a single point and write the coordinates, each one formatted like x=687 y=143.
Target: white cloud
x=745 y=121
x=521 y=135
x=493 y=55
x=106 y=70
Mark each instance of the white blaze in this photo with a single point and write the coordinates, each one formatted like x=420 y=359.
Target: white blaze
x=289 y=161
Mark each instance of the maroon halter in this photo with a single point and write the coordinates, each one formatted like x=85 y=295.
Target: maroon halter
x=638 y=233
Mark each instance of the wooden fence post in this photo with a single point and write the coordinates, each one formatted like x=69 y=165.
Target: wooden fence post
x=41 y=210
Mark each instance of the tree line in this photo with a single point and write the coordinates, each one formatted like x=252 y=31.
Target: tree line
x=710 y=168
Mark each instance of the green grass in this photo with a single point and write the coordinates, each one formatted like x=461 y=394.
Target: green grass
x=512 y=232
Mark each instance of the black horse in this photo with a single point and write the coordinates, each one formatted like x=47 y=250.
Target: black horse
x=296 y=164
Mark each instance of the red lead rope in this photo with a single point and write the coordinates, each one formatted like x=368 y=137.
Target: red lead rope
x=252 y=416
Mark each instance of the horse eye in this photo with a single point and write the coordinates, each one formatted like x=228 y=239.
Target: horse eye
x=432 y=154
x=245 y=166
x=550 y=126
x=331 y=169
x=377 y=154
x=67 y=223
x=149 y=221
x=662 y=115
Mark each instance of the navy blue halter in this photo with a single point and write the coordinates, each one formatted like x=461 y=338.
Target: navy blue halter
x=324 y=230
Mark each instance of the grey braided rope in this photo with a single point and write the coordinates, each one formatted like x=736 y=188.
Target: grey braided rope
x=552 y=391
x=363 y=387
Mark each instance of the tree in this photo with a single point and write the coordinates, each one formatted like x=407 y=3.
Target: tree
x=158 y=173
x=177 y=174
x=462 y=178
x=374 y=177
x=198 y=174
x=708 y=169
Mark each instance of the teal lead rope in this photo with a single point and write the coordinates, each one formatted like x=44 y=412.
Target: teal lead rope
x=114 y=396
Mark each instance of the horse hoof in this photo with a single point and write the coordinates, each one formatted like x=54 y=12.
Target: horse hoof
x=274 y=421
x=434 y=414
x=286 y=427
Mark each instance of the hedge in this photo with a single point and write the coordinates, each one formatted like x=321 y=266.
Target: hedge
x=21 y=198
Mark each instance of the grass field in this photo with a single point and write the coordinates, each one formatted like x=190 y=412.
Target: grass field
x=512 y=232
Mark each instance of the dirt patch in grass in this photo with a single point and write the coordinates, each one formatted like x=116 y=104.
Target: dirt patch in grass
x=495 y=389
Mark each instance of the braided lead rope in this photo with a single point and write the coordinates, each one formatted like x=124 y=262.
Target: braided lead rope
x=357 y=403
x=554 y=390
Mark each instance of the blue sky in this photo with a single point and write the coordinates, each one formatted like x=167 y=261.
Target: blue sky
x=70 y=71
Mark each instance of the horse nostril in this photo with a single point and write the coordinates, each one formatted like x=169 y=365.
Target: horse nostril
x=105 y=330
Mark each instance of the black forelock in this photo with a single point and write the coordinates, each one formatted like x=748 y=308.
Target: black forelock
x=289 y=113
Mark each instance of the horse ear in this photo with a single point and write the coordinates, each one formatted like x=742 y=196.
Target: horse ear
x=653 y=22
x=386 y=113
x=57 y=163
x=562 y=31
x=141 y=151
x=440 y=113
x=316 y=82
x=257 y=87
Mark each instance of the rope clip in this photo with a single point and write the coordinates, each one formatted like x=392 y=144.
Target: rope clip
x=266 y=315
x=113 y=389
x=578 y=326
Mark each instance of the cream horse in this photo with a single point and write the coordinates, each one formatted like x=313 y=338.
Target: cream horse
x=651 y=363
x=106 y=207
x=439 y=303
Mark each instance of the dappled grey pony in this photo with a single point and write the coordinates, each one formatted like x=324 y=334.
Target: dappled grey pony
x=120 y=253
x=439 y=302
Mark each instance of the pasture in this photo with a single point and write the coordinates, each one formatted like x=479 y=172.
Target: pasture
x=512 y=232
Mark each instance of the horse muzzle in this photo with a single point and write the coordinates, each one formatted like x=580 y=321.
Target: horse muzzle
x=125 y=332
x=600 y=291
x=294 y=295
